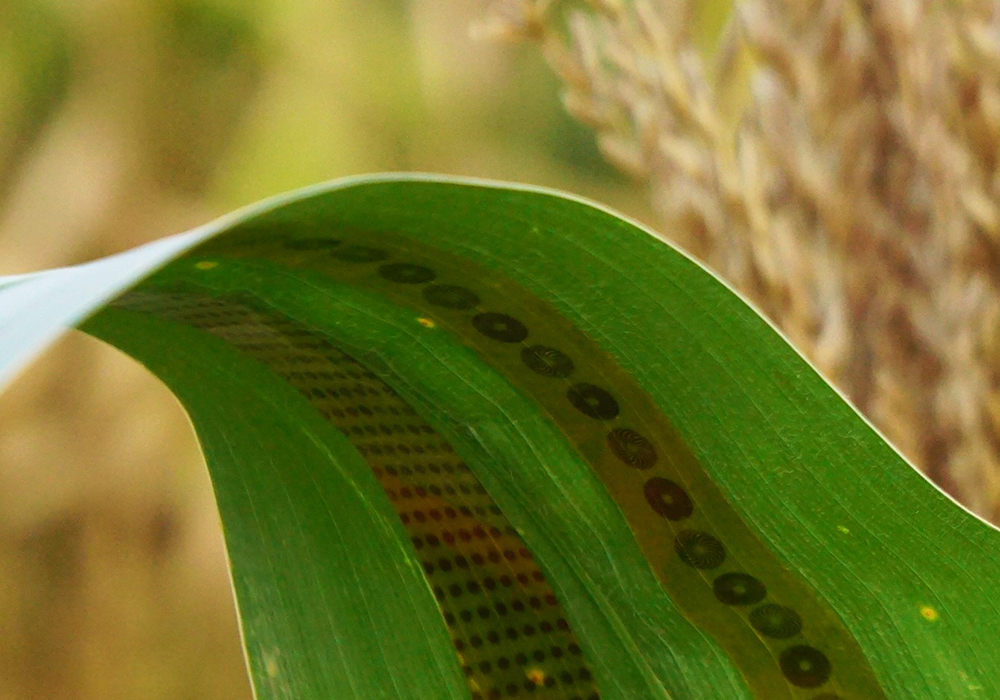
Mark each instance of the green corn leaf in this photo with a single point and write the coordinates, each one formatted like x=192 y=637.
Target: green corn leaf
x=481 y=441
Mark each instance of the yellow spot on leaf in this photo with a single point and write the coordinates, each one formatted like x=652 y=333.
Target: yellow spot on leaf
x=929 y=613
x=536 y=676
x=843 y=530
x=426 y=322
x=205 y=265
x=271 y=662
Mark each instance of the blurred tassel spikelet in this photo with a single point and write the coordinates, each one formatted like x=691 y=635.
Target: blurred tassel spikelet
x=834 y=160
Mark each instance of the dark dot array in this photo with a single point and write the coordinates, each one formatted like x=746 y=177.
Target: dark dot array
x=547 y=362
x=699 y=549
x=776 y=621
x=632 y=448
x=504 y=618
x=501 y=327
x=805 y=666
x=801 y=665
x=668 y=499
x=738 y=589
x=593 y=401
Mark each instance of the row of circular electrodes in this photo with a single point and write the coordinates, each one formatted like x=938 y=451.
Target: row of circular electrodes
x=803 y=665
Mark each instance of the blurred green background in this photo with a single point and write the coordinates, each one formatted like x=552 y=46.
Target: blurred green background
x=122 y=121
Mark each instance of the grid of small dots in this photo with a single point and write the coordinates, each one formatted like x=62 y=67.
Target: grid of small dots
x=507 y=626
x=802 y=665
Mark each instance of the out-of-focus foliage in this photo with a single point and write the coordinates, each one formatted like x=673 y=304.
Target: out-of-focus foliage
x=34 y=73
x=125 y=120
